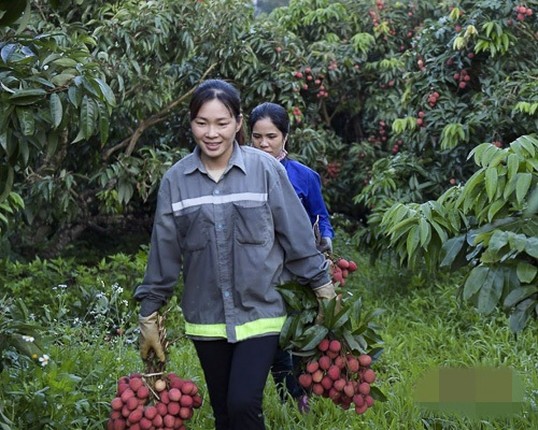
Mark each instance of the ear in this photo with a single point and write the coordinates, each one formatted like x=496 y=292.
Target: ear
x=239 y=123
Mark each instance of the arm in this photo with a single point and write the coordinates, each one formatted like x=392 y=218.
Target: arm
x=294 y=232
x=316 y=208
x=164 y=260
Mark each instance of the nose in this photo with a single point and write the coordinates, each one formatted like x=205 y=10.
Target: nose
x=211 y=131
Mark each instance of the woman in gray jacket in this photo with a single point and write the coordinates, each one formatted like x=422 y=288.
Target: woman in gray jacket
x=229 y=221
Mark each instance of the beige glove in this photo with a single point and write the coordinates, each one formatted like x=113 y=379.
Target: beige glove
x=149 y=337
x=325 y=292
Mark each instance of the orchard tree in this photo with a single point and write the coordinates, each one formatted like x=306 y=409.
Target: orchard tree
x=54 y=96
x=469 y=89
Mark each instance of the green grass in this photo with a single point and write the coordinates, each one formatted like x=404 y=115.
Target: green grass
x=424 y=326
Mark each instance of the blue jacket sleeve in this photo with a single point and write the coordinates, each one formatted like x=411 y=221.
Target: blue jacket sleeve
x=295 y=233
x=307 y=185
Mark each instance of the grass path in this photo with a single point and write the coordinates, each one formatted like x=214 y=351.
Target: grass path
x=423 y=327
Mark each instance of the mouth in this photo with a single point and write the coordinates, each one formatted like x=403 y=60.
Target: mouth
x=212 y=146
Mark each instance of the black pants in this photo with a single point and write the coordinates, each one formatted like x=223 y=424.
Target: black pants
x=284 y=371
x=236 y=374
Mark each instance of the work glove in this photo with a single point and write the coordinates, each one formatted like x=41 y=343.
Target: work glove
x=149 y=337
x=325 y=292
x=325 y=245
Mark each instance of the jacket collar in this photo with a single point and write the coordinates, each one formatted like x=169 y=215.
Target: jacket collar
x=194 y=162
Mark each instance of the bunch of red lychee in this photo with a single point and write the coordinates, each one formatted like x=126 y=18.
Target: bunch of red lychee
x=343 y=377
x=163 y=402
x=463 y=78
x=341 y=268
x=522 y=12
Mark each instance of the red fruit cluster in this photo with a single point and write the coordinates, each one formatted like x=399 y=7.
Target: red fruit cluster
x=315 y=82
x=343 y=377
x=333 y=169
x=341 y=268
x=462 y=78
x=381 y=134
x=396 y=146
x=420 y=118
x=432 y=98
x=166 y=403
x=297 y=114
x=522 y=12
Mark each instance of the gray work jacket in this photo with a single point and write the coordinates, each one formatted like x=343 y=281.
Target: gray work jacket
x=234 y=240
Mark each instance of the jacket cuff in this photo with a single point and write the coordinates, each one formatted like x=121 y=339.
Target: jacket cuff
x=147 y=307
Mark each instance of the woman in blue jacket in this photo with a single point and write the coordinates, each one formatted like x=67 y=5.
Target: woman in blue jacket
x=269 y=125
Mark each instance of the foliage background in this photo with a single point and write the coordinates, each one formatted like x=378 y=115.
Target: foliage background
x=420 y=116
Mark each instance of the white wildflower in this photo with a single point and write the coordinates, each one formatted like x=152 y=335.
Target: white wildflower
x=28 y=338
x=44 y=360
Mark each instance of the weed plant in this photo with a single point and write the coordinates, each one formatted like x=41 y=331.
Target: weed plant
x=84 y=320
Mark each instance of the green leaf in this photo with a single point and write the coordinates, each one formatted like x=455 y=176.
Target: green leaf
x=88 y=116
x=62 y=79
x=491 y=292
x=495 y=207
x=425 y=232
x=351 y=342
x=521 y=315
x=523 y=184
x=339 y=319
x=413 y=239
x=451 y=249
x=513 y=165
x=476 y=279
x=526 y=272
x=26 y=121
x=6 y=178
x=288 y=330
x=27 y=97
x=311 y=337
x=491 y=182
x=517 y=295
x=56 y=110
x=106 y=91
x=65 y=62
x=377 y=394
x=531 y=247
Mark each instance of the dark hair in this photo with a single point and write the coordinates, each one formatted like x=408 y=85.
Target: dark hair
x=223 y=91
x=276 y=113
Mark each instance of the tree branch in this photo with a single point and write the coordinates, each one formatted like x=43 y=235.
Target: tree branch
x=131 y=141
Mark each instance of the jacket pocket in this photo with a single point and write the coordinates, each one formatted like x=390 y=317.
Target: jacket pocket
x=192 y=230
x=252 y=224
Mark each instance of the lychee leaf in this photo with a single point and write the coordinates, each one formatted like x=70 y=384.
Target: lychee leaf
x=371 y=337
x=340 y=319
x=377 y=394
x=288 y=330
x=311 y=337
x=352 y=343
x=291 y=299
x=355 y=313
x=375 y=354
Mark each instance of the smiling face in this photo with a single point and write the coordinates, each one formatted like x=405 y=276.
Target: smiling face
x=214 y=129
x=267 y=137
